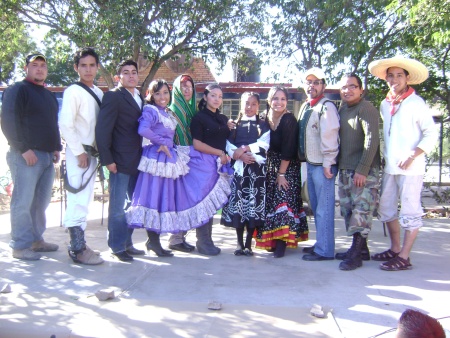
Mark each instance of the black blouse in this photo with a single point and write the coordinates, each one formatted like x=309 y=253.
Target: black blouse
x=284 y=139
x=210 y=128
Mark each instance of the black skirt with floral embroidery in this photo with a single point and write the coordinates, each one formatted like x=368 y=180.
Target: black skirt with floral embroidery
x=285 y=216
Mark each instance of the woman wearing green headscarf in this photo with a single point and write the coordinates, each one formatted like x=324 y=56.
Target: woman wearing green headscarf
x=183 y=106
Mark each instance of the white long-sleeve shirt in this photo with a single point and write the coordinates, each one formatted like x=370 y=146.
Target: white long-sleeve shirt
x=78 y=117
x=412 y=126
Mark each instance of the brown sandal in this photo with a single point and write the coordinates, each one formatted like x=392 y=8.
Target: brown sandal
x=396 y=264
x=385 y=256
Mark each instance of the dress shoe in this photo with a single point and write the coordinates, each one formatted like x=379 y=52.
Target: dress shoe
x=186 y=244
x=160 y=252
x=308 y=249
x=134 y=252
x=180 y=247
x=315 y=257
x=122 y=256
x=248 y=252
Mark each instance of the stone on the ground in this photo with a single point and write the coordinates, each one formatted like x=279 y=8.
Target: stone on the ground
x=214 y=305
x=6 y=288
x=105 y=294
x=317 y=311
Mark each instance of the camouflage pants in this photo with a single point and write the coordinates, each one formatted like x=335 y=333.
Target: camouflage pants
x=358 y=204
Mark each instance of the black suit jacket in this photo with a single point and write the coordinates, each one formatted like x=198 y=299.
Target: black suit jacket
x=116 y=132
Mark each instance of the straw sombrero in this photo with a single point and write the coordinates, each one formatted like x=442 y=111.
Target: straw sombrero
x=417 y=71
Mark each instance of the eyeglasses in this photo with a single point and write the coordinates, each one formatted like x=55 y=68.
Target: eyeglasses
x=315 y=82
x=349 y=87
x=186 y=88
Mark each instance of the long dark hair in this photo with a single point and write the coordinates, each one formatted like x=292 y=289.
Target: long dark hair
x=272 y=92
x=202 y=103
x=244 y=97
x=155 y=86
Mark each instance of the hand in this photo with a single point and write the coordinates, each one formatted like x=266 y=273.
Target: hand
x=327 y=172
x=223 y=158
x=83 y=160
x=165 y=150
x=359 y=180
x=405 y=163
x=112 y=168
x=30 y=157
x=282 y=183
x=231 y=124
x=56 y=156
x=238 y=153
x=247 y=158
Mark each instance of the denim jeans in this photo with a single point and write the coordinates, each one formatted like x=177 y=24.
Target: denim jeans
x=30 y=198
x=121 y=188
x=321 y=192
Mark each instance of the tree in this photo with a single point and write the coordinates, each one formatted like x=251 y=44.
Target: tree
x=429 y=41
x=158 y=30
x=15 y=43
x=335 y=35
x=59 y=55
x=306 y=28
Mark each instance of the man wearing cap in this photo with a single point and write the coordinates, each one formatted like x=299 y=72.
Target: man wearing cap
x=80 y=107
x=30 y=124
x=319 y=148
x=409 y=133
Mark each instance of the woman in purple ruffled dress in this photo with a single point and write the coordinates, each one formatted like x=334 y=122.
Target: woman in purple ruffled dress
x=178 y=188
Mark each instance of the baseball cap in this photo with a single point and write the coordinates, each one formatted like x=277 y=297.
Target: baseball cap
x=32 y=57
x=317 y=72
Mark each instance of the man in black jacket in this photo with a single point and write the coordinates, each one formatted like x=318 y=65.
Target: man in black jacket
x=30 y=124
x=120 y=148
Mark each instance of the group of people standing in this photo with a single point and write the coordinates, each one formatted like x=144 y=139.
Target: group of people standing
x=197 y=162
x=347 y=141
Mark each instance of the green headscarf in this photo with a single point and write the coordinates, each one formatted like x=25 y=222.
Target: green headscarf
x=183 y=112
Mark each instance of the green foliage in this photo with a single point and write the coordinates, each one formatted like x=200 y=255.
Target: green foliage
x=245 y=63
x=338 y=36
x=156 y=30
x=59 y=55
x=15 y=43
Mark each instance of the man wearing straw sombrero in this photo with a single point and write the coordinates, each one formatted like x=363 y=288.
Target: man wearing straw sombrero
x=409 y=134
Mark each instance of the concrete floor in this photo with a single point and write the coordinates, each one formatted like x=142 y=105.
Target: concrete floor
x=260 y=296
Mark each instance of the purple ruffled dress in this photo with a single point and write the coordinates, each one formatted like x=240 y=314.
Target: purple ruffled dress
x=178 y=193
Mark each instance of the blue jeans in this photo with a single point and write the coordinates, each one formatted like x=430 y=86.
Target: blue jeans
x=30 y=198
x=321 y=192
x=121 y=188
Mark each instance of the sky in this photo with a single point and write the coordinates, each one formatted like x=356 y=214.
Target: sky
x=282 y=67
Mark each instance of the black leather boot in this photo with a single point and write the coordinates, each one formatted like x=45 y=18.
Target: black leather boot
x=365 y=254
x=353 y=259
x=280 y=249
x=153 y=244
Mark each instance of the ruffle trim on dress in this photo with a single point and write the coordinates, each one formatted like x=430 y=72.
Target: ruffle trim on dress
x=167 y=169
x=283 y=208
x=282 y=233
x=174 y=222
